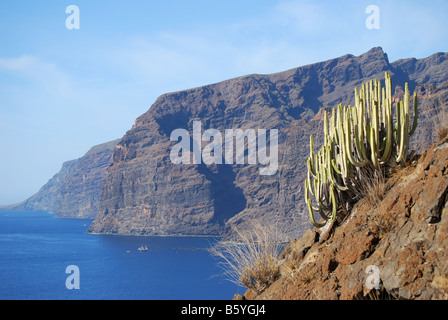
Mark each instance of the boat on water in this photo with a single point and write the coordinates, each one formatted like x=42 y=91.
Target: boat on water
x=143 y=248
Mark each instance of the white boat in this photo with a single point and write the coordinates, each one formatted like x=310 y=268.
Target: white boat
x=143 y=248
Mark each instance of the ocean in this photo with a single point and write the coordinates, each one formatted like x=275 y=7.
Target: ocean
x=46 y=258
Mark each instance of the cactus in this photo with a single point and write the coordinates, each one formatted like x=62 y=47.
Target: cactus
x=359 y=137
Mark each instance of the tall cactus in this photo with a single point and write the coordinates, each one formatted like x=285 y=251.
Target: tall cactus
x=355 y=138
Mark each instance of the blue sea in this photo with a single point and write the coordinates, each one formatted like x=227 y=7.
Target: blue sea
x=36 y=248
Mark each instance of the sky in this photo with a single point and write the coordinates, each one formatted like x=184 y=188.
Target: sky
x=64 y=90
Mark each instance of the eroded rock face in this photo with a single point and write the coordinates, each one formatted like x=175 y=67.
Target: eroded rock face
x=75 y=190
x=144 y=193
x=405 y=237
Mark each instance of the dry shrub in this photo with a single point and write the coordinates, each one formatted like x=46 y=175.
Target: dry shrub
x=383 y=221
x=306 y=274
x=378 y=294
x=440 y=282
x=371 y=185
x=442 y=133
x=252 y=259
x=440 y=121
x=298 y=274
x=373 y=188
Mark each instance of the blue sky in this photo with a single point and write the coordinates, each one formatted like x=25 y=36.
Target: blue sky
x=63 y=91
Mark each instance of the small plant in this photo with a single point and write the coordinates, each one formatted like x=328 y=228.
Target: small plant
x=251 y=260
x=441 y=124
x=299 y=274
x=372 y=187
x=382 y=222
x=442 y=133
x=378 y=294
x=359 y=142
x=306 y=274
x=440 y=282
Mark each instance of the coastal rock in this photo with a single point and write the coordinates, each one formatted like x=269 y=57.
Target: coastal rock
x=75 y=190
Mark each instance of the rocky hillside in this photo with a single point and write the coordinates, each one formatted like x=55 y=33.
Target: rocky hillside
x=402 y=242
x=144 y=193
x=74 y=191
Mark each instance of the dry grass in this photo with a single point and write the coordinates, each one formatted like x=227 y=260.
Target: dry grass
x=440 y=121
x=371 y=186
x=375 y=188
x=251 y=260
x=306 y=275
x=299 y=274
x=382 y=222
x=440 y=282
x=377 y=294
x=442 y=133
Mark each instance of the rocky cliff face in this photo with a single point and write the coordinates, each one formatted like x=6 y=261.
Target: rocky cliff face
x=74 y=191
x=144 y=193
x=399 y=246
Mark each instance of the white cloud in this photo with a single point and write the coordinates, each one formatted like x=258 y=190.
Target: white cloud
x=304 y=17
x=39 y=73
x=176 y=61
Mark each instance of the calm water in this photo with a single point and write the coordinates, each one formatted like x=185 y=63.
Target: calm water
x=35 y=250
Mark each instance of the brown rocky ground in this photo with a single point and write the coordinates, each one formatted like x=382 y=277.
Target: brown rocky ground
x=405 y=236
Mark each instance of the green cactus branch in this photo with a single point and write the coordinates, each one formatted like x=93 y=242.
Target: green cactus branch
x=355 y=138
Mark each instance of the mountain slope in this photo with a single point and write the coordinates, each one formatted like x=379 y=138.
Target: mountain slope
x=400 y=245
